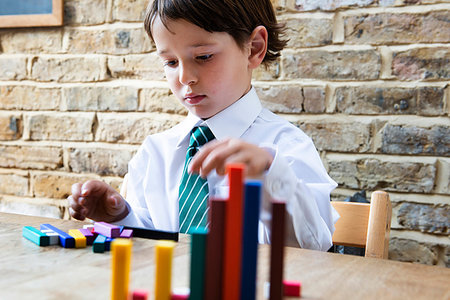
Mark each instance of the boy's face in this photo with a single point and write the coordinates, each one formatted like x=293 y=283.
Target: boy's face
x=206 y=71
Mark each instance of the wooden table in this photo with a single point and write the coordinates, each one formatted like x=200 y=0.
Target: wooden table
x=28 y=271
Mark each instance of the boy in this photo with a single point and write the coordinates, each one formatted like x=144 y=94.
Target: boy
x=209 y=50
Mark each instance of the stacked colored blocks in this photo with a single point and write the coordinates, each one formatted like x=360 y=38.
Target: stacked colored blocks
x=108 y=230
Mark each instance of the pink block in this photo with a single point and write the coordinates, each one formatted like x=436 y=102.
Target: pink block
x=88 y=234
x=292 y=288
x=139 y=294
x=179 y=297
x=106 y=229
x=126 y=233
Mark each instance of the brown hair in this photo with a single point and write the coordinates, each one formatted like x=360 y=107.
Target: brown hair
x=236 y=17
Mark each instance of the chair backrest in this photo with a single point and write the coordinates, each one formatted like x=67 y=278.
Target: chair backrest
x=365 y=225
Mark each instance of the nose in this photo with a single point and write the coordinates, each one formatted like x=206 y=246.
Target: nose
x=187 y=75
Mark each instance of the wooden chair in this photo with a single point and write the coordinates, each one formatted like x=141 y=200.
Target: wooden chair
x=365 y=225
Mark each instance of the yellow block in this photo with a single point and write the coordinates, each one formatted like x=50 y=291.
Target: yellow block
x=120 y=266
x=163 y=271
x=80 y=239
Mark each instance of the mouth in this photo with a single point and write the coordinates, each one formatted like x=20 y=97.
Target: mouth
x=193 y=99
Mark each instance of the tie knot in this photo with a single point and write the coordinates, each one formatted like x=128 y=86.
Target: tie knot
x=200 y=135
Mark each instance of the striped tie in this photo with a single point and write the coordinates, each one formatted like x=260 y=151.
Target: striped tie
x=193 y=193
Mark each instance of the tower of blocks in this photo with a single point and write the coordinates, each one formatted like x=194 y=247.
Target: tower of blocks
x=223 y=257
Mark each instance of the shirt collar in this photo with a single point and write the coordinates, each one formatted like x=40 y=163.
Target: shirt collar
x=232 y=122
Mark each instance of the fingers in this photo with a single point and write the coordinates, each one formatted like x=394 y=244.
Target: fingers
x=75 y=209
x=216 y=155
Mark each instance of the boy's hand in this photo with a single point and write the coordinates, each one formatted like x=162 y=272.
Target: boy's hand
x=96 y=200
x=217 y=154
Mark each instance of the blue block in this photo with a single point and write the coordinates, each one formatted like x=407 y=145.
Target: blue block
x=65 y=239
x=252 y=200
x=99 y=244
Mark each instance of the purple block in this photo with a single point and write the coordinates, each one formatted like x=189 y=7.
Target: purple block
x=126 y=233
x=106 y=229
x=88 y=234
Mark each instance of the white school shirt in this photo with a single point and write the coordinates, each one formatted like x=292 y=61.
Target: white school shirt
x=296 y=175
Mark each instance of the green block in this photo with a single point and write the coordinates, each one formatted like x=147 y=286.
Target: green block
x=99 y=244
x=36 y=236
x=198 y=257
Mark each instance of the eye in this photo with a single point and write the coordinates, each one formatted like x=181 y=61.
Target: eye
x=170 y=63
x=204 y=57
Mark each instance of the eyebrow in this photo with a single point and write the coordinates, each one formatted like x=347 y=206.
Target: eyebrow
x=193 y=47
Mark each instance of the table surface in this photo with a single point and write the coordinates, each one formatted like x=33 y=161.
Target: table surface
x=28 y=271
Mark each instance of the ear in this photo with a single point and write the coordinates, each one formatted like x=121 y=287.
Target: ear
x=258 y=46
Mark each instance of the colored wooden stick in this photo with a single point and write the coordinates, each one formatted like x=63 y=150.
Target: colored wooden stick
x=36 y=236
x=80 y=239
x=214 y=250
x=99 y=244
x=163 y=270
x=198 y=253
x=53 y=236
x=107 y=229
x=65 y=239
x=88 y=234
x=292 y=288
x=250 y=239
x=153 y=233
x=277 y=250
x=233 y=234
x=120 y=262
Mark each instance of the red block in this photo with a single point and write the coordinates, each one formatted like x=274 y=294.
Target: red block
x=232 y=255
x=292 y=288
x=139 y=295
x=179 y=297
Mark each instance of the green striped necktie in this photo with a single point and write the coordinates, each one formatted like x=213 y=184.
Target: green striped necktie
x=194 y=192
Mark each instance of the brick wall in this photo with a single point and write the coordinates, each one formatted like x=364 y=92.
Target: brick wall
x=366 y=79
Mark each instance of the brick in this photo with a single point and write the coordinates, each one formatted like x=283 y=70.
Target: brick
x=308 y=5
x=34 y=207
x=129 y=11
x=160 y=100
x=14 y=184
x=60 y=126
x=338 y=135
x=117 y=41
x=145 y=67
x=270 y=72
x=373 y=174
x=379 y=100
x=30 y=157
x=421 y=64
x=100 y=98
x=315 y=101
x=100 y=161
x=281 y=98
x=425 y=218
x=408 y=250
x=397 y=28
x=133 y=127
x=431 y=101
x=402 y=139
x=13 y=67
x=69 y=69
x=56 y=186
x=29 y=97
x=11 y=127
x=44 y=40
x=86 y=12
x=336 y=65
x=309 y=32
x=376 y=100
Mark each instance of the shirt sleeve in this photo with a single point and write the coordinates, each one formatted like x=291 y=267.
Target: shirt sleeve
x=138 y=215
x=299 y=178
